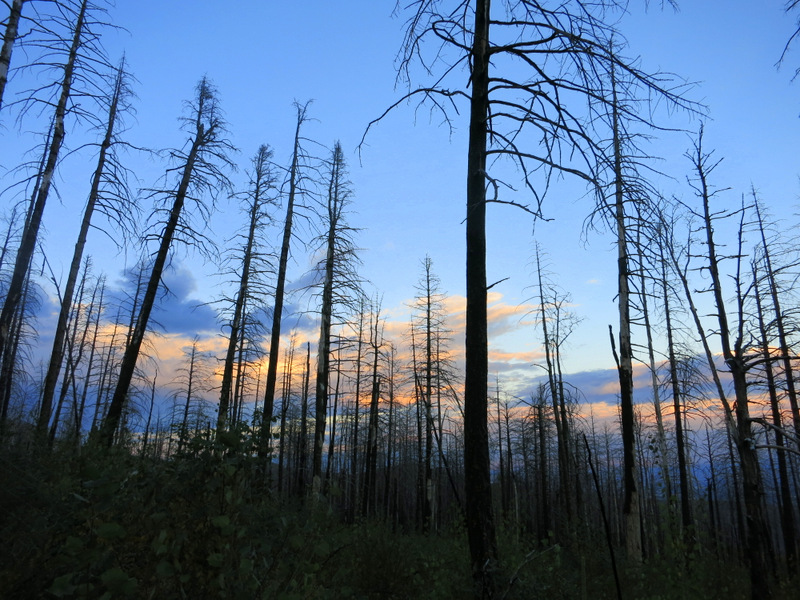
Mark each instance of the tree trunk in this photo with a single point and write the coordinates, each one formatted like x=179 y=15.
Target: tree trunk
x=332 y=440
x=146 y=435
x=12 y=25
x=76 y=409
x=72 y=362
x=280 y=284
x=184 y=435
x=661 y=435
x=285 y=399
x=479 y=511
x=31 y=232
x=428 y=398
x=544 y=495
x=783 y=344
x=57 y=353
x=715 y=522
x=326 y=314
x=302 y=455
x=757 y=533
x=112 y=419
x=371 y=456
x=683 y=475
x=105 y=374
x=630 y=507
x=387 y=487
x=562 y=432
x=354 y=476
x=90 y=365
x=260 y=165
x=501 y=458
x=786 y=505
x=9 y=357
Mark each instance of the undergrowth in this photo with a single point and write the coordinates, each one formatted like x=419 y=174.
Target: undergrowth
x=205 y=525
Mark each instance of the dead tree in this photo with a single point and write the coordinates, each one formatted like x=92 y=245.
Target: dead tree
x=563 y=47
x=201 y=172
x=261 y=183
x=71 y=70
x=294 y=182
x=338 y=282
x=110 y=194
x=734 y=353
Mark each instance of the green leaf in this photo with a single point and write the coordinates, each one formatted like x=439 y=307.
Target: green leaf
x=160 y=543
x=73 y=545
x=322 y=548
x=228 y=438
x=118 y=582
x=215 y=559
x=62 y=586
x=246 y=566
x=164 y=569
x=110 y=531
x=221 y=521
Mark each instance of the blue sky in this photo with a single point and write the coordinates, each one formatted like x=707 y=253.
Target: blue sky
x=409 y=177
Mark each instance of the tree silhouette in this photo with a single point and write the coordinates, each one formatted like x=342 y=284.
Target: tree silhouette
x=201 y=172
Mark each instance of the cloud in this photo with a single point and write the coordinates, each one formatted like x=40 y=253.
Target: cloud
x=179 y=281
x=506 y=318
x=172 y=347
x=175 y=309
x=177 y=312
x=515 y=358
x=602 y=411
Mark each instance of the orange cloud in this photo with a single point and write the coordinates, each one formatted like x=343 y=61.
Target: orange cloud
x=600 y=411
x=610 y=387
x=516 y=358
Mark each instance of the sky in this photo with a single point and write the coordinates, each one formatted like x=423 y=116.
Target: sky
x=409 y=175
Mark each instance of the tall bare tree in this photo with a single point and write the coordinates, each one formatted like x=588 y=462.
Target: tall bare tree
x=621 y=195
x=549 y=315
x=295 y=185
x=564 y=48
x=202 y=172
x=81 y=37
x=262 y=181
x=677 y=396
x=786 y=503
x=189 y=385
x=735 y=355
x=773 y=287
x=430 y=365
x=370 y=481
x=110 y=194
x=339 y=281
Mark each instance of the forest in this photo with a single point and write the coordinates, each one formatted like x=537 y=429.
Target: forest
x=290 y=435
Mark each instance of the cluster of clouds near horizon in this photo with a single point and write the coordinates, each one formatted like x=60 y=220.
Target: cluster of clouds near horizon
x=180 y=318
